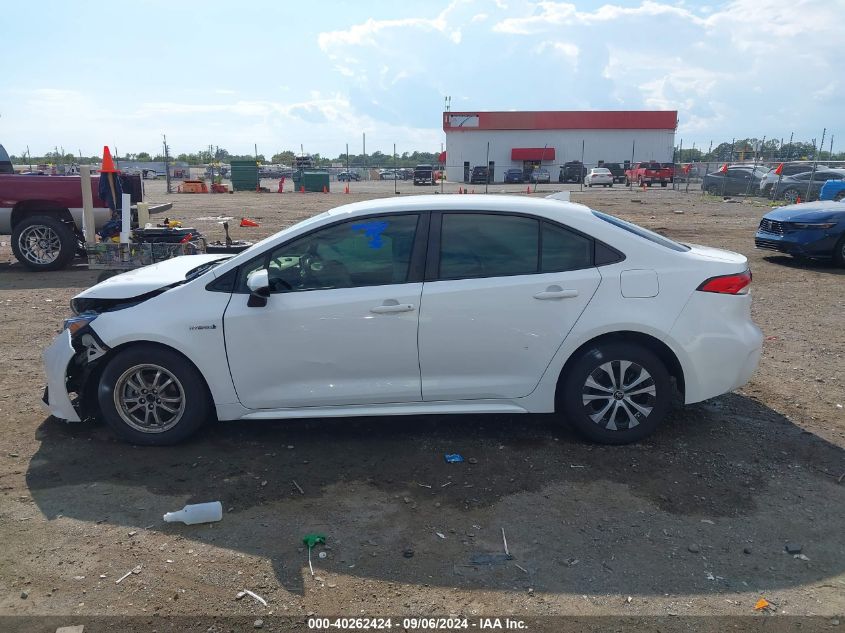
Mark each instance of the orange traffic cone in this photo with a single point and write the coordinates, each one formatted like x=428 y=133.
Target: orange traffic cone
x=248 y=222
x=282 y=185
x=798 y=200
x=528 y=189
x=346 y=189
x=302 y=189
x=325 y=189
x=108 y=163
x=460 y=189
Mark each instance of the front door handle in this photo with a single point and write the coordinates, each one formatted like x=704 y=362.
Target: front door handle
x=387 y=308
x=555 y=292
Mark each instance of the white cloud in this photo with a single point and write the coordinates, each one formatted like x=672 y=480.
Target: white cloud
x=566 y=49
x=480 y=17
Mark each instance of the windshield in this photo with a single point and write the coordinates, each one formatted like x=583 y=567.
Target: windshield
x=651 y=236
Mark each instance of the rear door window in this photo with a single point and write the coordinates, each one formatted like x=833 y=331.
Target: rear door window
x=488 y=245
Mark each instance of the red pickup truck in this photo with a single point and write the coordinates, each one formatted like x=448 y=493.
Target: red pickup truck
x=648 y=173
x=43 y=214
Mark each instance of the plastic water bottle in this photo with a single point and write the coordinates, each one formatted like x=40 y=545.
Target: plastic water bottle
x=197 y=513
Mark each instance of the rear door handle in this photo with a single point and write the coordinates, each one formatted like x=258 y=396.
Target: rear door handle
x=388 y=308
x=555 y=292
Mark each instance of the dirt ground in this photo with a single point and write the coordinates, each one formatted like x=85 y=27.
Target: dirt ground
x=691 y=522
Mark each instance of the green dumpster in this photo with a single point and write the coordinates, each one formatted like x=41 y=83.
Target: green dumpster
x=311 y=180
x=244 y=174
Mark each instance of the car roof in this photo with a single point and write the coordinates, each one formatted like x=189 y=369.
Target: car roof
x=457 y=202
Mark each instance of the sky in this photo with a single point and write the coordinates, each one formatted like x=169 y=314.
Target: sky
x=84 y=74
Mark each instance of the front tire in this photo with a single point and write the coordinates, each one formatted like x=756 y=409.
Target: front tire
x=152 y=396
x=839 y=253
x=615 y=393
x=43 y=243
x=791 y=195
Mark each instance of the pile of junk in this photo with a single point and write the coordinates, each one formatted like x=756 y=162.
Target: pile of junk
x=129 y=240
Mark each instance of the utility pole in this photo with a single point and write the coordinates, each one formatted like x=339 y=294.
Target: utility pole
x=166 y=162
x=815 y=165
x=366 y=171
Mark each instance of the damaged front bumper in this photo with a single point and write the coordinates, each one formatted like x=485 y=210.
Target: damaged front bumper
x=68 y=363
x=57 y=357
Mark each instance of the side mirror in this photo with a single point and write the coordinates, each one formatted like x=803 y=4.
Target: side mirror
x=259 y=288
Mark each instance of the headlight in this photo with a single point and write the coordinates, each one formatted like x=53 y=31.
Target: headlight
x=812 y=225
x=74 y=324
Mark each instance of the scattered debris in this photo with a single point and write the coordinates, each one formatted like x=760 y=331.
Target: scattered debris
x=251 y=594
x=133 y=533
x=801 y=557
x=24 y=595
x=629 y=598
x=297 y=486
x=448 y=483
x=792 y=548
x=13 y=455
x=505 y=543
x=441 y=535
x=323 y=554
x=408 y=553
x=423 y=485
x=77 y=628
x=472 y=460
x=311 y=540
x=520 y=568
x=134 y=570
x=692 y=547
x=258 y=623
x=678 y=211
x=746 y=550
x=453 y=458
x=576 y=466
x=571 y=562
x=195 y=513
x=761 y=604
x=707 y=521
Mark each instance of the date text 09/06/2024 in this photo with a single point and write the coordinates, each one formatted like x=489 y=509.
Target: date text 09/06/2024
x=419 y=624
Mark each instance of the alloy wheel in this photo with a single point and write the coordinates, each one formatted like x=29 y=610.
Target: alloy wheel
x=39 y=244
x=149 y=398
x=619 y=395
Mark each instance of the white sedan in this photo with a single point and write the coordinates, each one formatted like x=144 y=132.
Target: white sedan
x=430 y=304
x=599 y=176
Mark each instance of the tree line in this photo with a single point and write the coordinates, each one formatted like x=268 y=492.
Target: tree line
x=744 y=149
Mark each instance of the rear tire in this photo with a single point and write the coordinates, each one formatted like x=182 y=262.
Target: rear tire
x=43 y=242
x=791 y=195
x=615 y=393
x=152 y=396
x=713 y=190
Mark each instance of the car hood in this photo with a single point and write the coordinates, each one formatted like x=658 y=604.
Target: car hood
x=134 y=283
x=807 y=211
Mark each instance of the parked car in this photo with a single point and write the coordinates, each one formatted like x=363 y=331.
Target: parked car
x=424 y=175
x=514 y=176
x=789 y=169
x=599 y=176
x=647 y=173
x=541 y=174
x=616 y=169
x=573 y=171
x=348 y=176
x=671 y=168
x=158 y=351
x=833 y=190
x=791 y=188
x=737 y=180
x=479 y=175
x=43 y=214
x=811 y=229
x=389 y=174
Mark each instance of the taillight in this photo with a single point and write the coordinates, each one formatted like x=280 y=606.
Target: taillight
x=728 y=284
